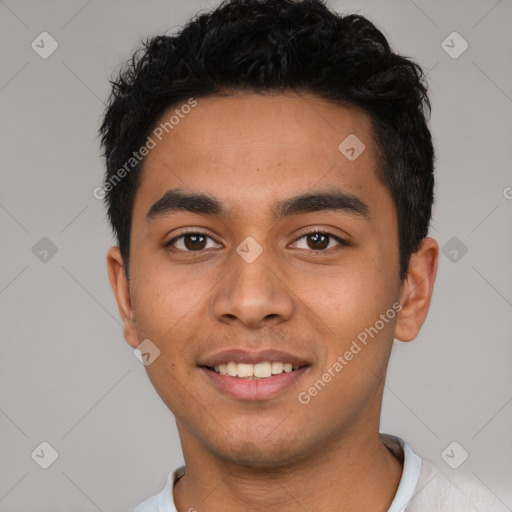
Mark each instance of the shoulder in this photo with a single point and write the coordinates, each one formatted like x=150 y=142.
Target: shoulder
x=149 y=505
x=436 y=491
x=163 y=501
x=425 y=488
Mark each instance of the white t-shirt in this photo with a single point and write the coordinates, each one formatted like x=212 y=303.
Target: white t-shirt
x=422 y=488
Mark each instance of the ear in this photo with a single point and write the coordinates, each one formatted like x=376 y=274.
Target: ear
x=417 y=289
x=121 y=289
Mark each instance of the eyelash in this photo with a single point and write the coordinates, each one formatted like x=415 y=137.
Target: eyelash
x=341 y=241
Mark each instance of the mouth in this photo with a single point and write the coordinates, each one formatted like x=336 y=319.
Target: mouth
x=253 y=376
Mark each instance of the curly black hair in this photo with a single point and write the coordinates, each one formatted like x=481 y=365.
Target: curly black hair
x=277 y=46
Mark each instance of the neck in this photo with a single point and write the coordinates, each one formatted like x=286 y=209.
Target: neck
x=355 y=473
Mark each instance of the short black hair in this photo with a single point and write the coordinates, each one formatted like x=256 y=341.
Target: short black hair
x=266 y=46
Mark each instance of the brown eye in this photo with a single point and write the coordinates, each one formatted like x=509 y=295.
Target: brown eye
x=191 y=242
x=194 y=242
x=319 y=241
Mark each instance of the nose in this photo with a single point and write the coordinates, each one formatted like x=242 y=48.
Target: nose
x=253 y=293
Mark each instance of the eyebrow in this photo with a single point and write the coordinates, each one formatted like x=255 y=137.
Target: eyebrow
x=175 y=201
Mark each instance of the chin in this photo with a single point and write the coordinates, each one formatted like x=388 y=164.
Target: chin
x=255 y=456
x=262 y=451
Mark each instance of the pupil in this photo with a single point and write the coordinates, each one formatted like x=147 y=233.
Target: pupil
x=194 y=245
x=316 y=236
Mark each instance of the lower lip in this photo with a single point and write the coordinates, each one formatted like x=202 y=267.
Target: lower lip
x=254 y=389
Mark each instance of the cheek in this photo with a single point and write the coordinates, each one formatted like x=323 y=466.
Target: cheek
x=348 y=304
x=166 y=300
x=350 y=297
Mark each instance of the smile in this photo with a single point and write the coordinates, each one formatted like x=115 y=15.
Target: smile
x=244 y=386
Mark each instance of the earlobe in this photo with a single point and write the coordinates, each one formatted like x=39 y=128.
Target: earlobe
x=121 y=289
x=417 y=290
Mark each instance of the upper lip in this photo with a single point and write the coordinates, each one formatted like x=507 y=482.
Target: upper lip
x=239 y=355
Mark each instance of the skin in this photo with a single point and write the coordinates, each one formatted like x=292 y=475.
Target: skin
x=248 y=151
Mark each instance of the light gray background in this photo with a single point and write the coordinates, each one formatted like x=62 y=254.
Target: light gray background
x=67 y=375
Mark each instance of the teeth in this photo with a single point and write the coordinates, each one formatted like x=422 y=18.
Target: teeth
x=254 y=371
x=245 y=370
x=277 y=368
x=262 y=370
x=232 y=369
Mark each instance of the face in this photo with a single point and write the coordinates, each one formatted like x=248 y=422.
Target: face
x=286 y=259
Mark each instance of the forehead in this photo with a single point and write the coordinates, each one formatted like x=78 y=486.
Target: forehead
x=250 y=149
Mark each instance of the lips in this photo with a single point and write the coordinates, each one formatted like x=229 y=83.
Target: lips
x=253 y=375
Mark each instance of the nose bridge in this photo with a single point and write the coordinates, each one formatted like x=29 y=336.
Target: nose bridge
x=252 y=292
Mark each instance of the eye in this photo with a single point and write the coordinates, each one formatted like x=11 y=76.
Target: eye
x=320 y=240
x=196 y=241
x=191 y=241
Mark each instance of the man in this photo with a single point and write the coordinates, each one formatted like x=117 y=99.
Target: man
x=270 y=183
